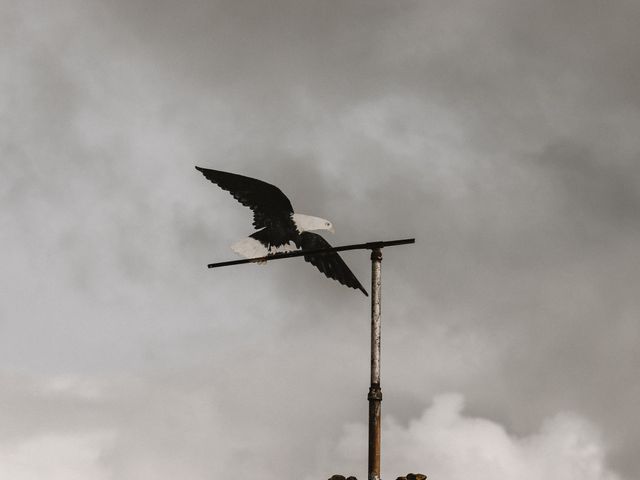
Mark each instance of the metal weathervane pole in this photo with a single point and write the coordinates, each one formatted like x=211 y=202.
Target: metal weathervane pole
x=375 y=392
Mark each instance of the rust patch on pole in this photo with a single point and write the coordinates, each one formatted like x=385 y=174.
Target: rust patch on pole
x=375 y=392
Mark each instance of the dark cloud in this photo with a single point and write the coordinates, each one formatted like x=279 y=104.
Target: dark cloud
x=594 y=191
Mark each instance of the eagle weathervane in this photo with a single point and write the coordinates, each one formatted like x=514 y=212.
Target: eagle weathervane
x=280 y=229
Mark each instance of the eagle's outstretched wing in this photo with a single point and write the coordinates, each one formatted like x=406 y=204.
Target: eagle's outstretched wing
x=331 y=264
x=267 y=201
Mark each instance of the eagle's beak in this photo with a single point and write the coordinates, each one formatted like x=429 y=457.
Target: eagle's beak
x=332 y=230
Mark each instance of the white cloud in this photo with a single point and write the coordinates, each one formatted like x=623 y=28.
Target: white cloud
x=444 y=443
x=67 y=428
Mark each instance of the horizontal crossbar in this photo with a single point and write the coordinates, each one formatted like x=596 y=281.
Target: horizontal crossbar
x=320 y=251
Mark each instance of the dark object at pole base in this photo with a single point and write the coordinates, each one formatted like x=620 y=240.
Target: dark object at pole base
x=408 y=476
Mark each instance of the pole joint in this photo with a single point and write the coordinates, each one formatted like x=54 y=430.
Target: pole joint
x=375 y=393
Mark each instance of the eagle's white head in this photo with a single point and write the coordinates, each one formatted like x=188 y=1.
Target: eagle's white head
x=307 y=222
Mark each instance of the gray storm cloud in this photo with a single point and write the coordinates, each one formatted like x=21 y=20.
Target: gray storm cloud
x=502 y=135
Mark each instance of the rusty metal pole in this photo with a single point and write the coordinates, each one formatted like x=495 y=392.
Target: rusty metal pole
x=375 y=392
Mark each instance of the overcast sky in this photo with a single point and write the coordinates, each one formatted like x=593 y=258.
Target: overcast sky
x=502 y=134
